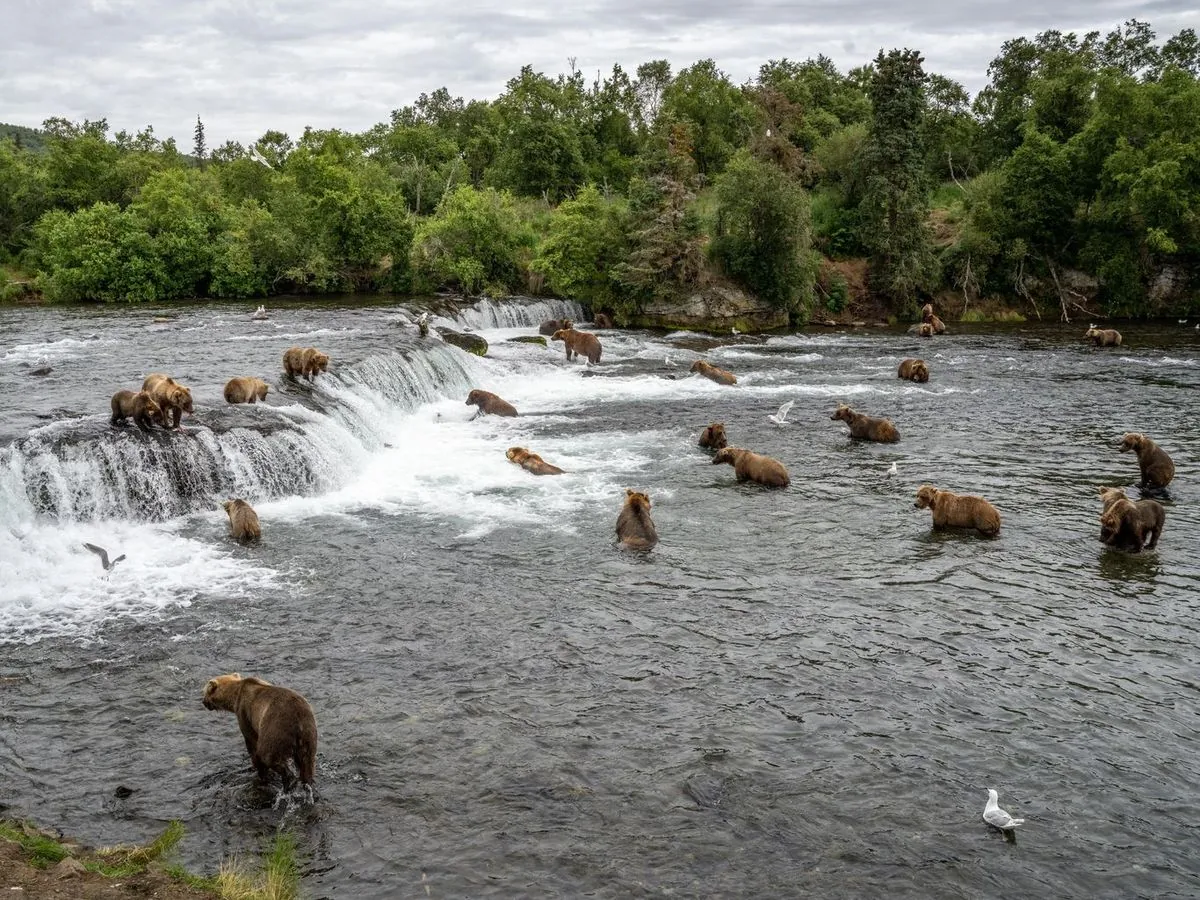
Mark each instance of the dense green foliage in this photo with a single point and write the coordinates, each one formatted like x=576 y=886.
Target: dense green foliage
x=1077 y=165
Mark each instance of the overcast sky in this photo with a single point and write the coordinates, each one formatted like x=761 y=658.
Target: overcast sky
x=246 y=66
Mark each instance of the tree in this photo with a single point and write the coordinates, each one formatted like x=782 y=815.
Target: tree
x=895 y=207
x=717 y=114
x=653 y=79
x=586 y=239
x=470 y=243
x=199 y=148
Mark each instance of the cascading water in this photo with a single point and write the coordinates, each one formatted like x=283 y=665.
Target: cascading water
x=517 y=314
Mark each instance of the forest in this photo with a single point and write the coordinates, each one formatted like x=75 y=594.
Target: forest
x=1070 y=184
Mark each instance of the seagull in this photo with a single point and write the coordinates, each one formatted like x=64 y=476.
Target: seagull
x=996 y=817
x=103 y=554
x=423 y=324
x=258 y=158
x=260 y=313
x=780 y=418
x=893 y=470
x=734 y=330
x=668 y=361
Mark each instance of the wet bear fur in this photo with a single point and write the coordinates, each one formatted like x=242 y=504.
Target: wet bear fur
x=952 y=510
x=713 y=437
x=867 y=428
x=914 y=370
x=243 y=520
x=531 y=462
x=304 y=361
x=138 y=406
x=1129 y=525
x=751 y=466
x=489 y=404
x=1103 y=337
x=245 y=390
x=552 y=325
x=711 y=372
x=635 y=528
x=1156 y=465
x=579 y=343
x=172 y=398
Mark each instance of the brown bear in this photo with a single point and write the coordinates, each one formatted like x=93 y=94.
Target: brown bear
x=277 y=724
x=140 y=407
x=579 y=343
x=243 y=520
x=750 y=466
x=306 y=361
x=635 y=528
x=1157 y=468
x=1103 y=337
x=711 y=372
x=489 y=404
x=867 y=428
x=552 y=325
x=245 y=390
x=1125 y=524
x=928 y=318
x=925 y=330
x=914 y=370
x=958 y=510
x=713 y=437
x=602 y=320
x=531 y=462
x=174 y=399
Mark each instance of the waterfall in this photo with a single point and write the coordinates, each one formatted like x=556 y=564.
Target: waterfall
x=522 y=312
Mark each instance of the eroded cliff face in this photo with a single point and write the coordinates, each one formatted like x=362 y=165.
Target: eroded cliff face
x=713 y=308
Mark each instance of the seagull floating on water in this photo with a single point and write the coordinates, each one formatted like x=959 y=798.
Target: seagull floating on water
x=260 y=313
x=997 y=817
x=668 y=361
x=103 y=554
x=893 y=470
x=780 y=418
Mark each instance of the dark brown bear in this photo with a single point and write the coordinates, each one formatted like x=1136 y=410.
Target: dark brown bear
x=928 y=318
x=243 y=520
x=140 y=407
x=602 y=320
x=489 y=404
x=914 y=370
x=750 y=466
x=579 y=343
x=277 y=724
x=711 y=372
x=635 y=528
x=172 y=398
x=531 y=462
x=1127 y=525
x=713 y=437
x=1157 y=467
x=866 y=428
x=552 y=325
x=245 y=390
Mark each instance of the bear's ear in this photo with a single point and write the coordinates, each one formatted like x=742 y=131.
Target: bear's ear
x=629 y=492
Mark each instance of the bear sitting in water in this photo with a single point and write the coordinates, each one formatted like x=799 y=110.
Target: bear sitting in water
x=140 y=407
x=277 y=724
x=914 y=370
x=635 y=528
x=1156 y=465
x=713 y=437
x=172 y=398
x=1129 y=525
x=602 y=320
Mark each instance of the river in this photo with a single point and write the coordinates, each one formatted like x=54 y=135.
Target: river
x=798 y=693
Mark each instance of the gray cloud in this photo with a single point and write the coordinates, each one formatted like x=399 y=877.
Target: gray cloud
x=246 y=66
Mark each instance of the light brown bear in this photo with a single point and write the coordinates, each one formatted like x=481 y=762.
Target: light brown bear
x=243 y=520
x=305 y=361
x=531 y=462
x=958 y=510
x=928 y=318
x=1157 y=467
x=635 y=528
x=713 y=437
x=489 y=404
x=172 y=398
x=867 y=428
x=552 y=325
x=245 y=390
x=925 y=330
x=914 y=370
x=1126 y=524
x=750 y=466
x=711 y=372
x=1103 y=337
x=579 y=343
x=140 y=407
x=277 y=724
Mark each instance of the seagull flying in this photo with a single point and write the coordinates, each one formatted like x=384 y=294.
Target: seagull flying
x=780 y=418
x=258 y=157
x=996 y=817
x=893 y=470
x=103 y=554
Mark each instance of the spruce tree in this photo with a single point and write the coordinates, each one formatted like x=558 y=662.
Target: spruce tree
x=199 y=149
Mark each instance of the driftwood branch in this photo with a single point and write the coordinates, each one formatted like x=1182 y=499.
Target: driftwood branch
x=950 y=161
x=1019 y=284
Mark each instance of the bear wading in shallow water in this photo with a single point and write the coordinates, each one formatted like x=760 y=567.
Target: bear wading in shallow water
x=958 y=510
x=531 y=462
x=635 y=528
x=750 y=466
x=277 y=724
x=866 y=428
x=579 y=343
x=243 y=520
x=712 y=373
x=713 y=437
x=245 y=390
x=913 y=370
x=552 y=325
x=1103 y=337
x=138 y=406
x=1128 y=525
x=1156 y=465
x=172 y=398
x=489 y=404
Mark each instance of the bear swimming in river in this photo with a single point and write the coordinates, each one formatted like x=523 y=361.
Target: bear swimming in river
x=635 y=528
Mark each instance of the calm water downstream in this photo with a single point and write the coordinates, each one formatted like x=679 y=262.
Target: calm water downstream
x=799 y=693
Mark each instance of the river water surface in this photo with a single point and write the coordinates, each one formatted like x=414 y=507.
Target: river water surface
x=798 y=693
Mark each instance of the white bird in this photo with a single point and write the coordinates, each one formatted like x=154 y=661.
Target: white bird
x=893 y=470
x=997 y=817
x=103 y=554
x=780 y=418
x=260 y=313
x=423 y=324
x=734 y=330
x=668 y=361
x=258 y=158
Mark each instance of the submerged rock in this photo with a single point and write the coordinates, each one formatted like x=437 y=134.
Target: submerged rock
x=472 y=343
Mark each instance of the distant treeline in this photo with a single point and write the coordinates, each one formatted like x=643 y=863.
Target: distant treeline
x=1082 y=155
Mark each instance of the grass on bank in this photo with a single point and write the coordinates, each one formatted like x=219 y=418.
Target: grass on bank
x=278 y=877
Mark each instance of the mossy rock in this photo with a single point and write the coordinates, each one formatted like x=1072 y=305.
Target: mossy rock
x=472 y=343
x=528 y=339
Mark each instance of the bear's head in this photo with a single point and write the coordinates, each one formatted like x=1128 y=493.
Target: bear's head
x=926 y=330
x=1132 y=440
x=920 y=371
x=477 y=397
x=261 y=388
x=517 y=454
x=222 y=692
x=1110 y=495
x=637 y=499
x=714 y=435
x=560 y=335
x=154 y=411
x=926 y=496
x=927 y=312
x=180 y=397
x=698 y=366
x=726 y=455
x=843 y=412
x=318 y=361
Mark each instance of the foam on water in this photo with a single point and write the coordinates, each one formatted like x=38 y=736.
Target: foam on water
x=50 y=350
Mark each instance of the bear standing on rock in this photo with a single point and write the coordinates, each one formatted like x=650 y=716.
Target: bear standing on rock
x=635 y=528
x=751 y=466
x=277 y=724
x=140 y=407
x=579 y=343
x=1157 y=467
x=306 y=361
x=172 y=398
x=713 y=437
x=245 y=390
